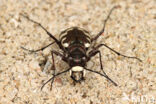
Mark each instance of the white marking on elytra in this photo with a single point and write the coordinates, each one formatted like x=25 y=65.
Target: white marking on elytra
x=87 y=45
x=65 y=44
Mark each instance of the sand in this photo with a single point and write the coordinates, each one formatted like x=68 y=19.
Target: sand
x=131 y=30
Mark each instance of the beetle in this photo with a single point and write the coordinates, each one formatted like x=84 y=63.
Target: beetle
x=77 y=49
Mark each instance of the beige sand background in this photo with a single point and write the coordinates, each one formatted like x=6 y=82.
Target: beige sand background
x=131 y=31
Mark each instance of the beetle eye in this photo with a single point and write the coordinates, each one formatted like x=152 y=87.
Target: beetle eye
x=87 y=45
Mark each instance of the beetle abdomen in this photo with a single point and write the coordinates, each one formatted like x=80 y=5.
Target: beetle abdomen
x=75 y=35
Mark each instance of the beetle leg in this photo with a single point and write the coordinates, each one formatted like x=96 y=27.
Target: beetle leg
x=57 y=41
x=54 y=77
x=105 y=21
x=97 y=47
x=54 y=68
x=93 y=53
x=41 y=49
x=104 y=75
